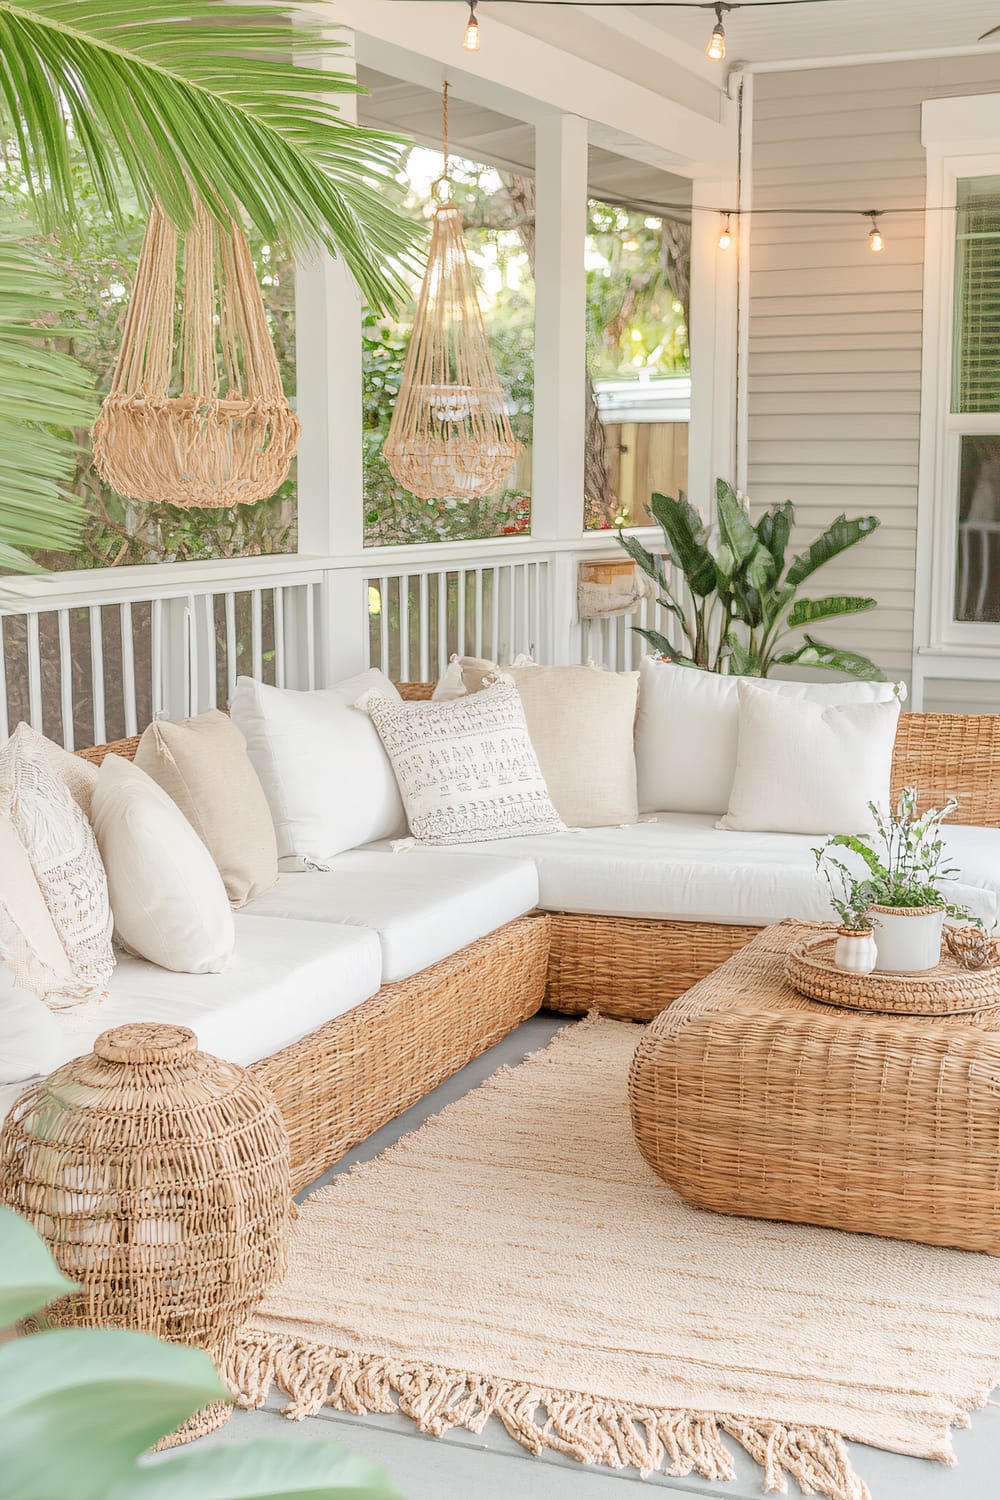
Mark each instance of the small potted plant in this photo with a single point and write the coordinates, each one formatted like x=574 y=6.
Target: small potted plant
x=896 y=887
x=855 y=948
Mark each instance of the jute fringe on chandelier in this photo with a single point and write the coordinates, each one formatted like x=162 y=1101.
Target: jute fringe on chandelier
x=450 y=435
x=229 y=436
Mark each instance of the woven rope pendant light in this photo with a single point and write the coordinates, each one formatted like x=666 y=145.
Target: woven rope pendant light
x=196 y=416
x=450 y=435
x=158 y=1176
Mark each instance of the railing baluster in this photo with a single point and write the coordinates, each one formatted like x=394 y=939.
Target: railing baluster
x=312 y=592
x=156 y=657
x=65 y=680
x=442 y=623
x=495 y=613
x=34 y=673
x=256 y=635
x=279 y=636
x=211 y=652
x=97 y=672
x=460 y=611
x=232 y=663
x=128 y=668
x=191 y=638
x=404 y=627
x=525 y=610
x=512 y=645
x=479 y=611
x=383 y=625
x=425 y=628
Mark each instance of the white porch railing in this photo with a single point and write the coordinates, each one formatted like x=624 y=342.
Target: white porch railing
x=91 y=657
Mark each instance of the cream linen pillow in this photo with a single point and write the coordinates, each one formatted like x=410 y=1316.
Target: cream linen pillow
x=582 y=724
x=30 y=947
x=466 y=769
x=807 y=767
x=687 y=730
x=203 y=766
x=326 y=777
x=60 y=845
x=169 y=902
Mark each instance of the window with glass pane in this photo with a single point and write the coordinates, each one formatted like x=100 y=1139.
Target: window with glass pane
x=976 y=392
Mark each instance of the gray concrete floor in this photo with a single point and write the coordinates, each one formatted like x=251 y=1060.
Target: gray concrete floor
x=493 y=1467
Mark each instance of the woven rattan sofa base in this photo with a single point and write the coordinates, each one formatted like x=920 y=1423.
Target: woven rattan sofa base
x=749 y=1099
x=342 y=1082
x=630 y=967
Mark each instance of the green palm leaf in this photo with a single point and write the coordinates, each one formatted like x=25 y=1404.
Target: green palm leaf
x=818 y=654
x=44 y=395
x=685 y=533
x=206 y=100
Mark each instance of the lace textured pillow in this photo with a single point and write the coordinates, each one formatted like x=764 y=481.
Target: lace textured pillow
x=466 y=769
x=63 y=852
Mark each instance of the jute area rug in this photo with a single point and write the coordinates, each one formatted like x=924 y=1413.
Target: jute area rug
x=517 y=1258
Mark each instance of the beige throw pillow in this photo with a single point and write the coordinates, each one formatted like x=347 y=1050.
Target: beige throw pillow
x=582 y=722
x=169 y=902
x=60 y=845
x=203 y=766
x=805 y=767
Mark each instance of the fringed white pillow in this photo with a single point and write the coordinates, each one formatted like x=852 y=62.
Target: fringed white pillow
x=61 y=847
x=466 y=769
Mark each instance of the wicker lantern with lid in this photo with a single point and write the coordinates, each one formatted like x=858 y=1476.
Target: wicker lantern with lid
x=158 y=1175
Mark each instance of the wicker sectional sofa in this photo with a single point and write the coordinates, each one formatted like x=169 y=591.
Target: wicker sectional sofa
x=342 y=1079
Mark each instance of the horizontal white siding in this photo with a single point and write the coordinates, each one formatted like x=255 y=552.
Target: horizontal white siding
x=835 y=331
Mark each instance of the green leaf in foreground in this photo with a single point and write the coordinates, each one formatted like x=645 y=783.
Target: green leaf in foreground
x=268 y=1469
x=31 y=1279
x=78 y=1406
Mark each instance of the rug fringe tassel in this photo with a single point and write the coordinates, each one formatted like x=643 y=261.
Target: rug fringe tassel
x=589 y=1429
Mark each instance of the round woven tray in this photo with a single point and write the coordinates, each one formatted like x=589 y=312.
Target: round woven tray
x=945 y=990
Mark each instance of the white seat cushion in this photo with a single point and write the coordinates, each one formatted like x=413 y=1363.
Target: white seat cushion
x=423 y=903
x=284 y=980
x=682 y=867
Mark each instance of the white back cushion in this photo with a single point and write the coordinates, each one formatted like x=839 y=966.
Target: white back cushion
x=326 y=777
x=30 y=1035
x=687 y=730
x=806 y=767
x=169 y=903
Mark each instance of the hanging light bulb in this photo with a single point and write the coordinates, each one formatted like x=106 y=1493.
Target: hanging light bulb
x=716 y=48
x=726 y=236
x=471 y=42
x=631 y=244
x=876 y=239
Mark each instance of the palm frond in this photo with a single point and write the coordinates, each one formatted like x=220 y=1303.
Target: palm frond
x=43 y=396
x=207 y=99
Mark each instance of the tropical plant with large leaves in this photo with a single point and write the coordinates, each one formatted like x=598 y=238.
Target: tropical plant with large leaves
x=738 y=609
x=79 y=1407
x=210 y=100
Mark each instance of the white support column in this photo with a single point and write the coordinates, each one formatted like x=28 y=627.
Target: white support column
x=560 y=328
x=713 y=318
x=328 y=382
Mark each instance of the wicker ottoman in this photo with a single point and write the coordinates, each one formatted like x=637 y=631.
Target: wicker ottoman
x=749 y=1099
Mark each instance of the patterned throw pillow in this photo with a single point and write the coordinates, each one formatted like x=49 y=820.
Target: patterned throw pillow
x=466 y=769
x=60 y=844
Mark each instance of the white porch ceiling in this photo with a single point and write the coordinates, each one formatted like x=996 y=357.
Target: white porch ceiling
x=487 y=136
x=820 y=29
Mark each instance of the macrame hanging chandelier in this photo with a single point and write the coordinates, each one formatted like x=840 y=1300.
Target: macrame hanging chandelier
x=196 y=415
x=450 y=435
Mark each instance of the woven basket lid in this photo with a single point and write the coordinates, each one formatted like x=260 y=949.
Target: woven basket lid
x=146 y=1042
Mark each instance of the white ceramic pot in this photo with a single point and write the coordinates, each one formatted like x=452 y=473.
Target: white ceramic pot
x=855 y=951
x=908 y=940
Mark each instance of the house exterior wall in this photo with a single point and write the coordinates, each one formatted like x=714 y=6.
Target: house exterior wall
x=834 y=354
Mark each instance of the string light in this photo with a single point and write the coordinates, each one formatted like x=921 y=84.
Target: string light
x=726 y=236
x=716 y=48
x=876 y=240
x=631 y=244
x=471 y=42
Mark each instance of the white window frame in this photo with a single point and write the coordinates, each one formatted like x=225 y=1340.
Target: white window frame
x=962 y=139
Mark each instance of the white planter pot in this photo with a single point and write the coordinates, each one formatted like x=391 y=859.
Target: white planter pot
x=855 y=952
x=907 y=940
